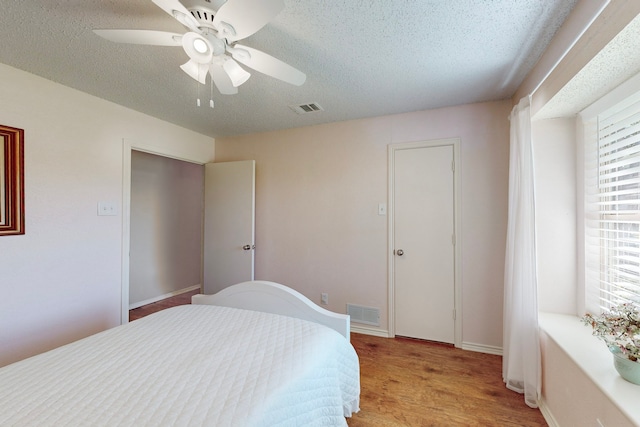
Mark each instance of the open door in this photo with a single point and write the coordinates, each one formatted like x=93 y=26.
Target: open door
x=229 y=224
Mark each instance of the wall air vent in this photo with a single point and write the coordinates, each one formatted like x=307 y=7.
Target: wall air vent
x=366 y=315
x=311 y=107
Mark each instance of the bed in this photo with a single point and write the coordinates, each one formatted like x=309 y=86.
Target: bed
x=255 y=354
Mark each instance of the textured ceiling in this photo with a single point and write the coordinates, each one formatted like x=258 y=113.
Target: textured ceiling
x=613 y=65
x=362 y=58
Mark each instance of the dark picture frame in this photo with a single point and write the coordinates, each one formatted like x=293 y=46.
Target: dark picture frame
x=11 y=181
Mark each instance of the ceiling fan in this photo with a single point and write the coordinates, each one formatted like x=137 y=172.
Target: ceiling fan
x=215 y=26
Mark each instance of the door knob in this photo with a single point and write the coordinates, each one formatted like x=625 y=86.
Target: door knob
x=399 y=252
x=247 y=247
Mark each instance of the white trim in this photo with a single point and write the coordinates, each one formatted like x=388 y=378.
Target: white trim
x=481 y=348
x=457 y=158
x=546 y=413
x=172 y=151
x=391 y=149
x=126 y=230
x=628 y=92
x=391 y=302
x=369 y=331
x=478 y=348
x=592 y=357
x=591 y=12
x=165 y=296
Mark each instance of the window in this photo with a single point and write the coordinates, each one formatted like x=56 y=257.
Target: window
x=613 y=210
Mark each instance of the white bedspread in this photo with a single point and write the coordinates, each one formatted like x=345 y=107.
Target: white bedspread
x=189 y=366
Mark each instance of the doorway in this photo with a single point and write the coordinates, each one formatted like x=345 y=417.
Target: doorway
x=166 y=210
x=173 y=151
x=198 y=157
x=424 y=299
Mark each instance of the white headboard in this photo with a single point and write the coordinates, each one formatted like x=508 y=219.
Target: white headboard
x=270 y=297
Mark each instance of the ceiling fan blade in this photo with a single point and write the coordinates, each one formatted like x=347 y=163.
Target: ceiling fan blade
x=183 y=15
x=245 y=17
x=267 y=64
x=149 y=37
x=196 y=71
x=222 y=80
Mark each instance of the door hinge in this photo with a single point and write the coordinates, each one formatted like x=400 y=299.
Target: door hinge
x=453 y=165
x=454 y=314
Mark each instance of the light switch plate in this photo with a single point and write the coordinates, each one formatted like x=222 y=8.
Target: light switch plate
x=106 y=209
x=382 y=208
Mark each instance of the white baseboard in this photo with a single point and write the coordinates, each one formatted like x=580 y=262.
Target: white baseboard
x=481 y=348
x=165 y=296
x=369 y=331
x=546 y=413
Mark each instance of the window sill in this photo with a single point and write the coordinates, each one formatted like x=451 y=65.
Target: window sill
x=593 y=358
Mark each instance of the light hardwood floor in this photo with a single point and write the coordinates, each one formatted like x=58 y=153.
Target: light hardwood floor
x=407 y=383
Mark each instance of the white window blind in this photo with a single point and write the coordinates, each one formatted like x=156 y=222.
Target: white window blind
x=617 y=201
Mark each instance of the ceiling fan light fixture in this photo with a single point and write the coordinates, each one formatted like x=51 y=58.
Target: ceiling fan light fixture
x=200 y=46
x=196 y=71
x=197 y=47
x=235 y=72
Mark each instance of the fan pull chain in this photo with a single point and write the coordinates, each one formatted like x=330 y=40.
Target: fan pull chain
x=198 y=93
x=211 y=95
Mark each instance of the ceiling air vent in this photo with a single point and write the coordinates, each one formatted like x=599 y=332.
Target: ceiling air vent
x=306 y=108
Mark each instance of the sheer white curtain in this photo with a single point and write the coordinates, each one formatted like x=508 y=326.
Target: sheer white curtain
x=521 y=346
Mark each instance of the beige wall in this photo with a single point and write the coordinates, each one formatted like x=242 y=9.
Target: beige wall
x=554 y=147
x=62 y=280
x=317 y=192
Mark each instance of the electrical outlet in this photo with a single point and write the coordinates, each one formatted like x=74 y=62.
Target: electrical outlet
x=324 y=298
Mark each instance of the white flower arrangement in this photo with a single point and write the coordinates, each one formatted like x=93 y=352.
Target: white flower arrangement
x=618 y=328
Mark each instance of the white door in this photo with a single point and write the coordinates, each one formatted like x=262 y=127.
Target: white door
x=229 y=230
x=424 y=246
